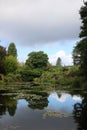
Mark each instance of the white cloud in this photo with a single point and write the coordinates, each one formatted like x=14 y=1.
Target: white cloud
x=66 y=59
x=59 y=99
x=77 y=98
x=64 y=97
x=30 y=22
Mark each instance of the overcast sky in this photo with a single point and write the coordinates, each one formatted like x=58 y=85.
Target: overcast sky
x=47 y=25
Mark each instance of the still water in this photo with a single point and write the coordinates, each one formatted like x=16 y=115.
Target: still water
x=39 y=109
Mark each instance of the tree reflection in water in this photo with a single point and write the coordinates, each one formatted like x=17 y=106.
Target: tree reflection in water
x=80 y=114
x=38 y=100
x=7 y=104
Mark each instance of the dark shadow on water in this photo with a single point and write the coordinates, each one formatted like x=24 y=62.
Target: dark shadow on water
x=7 y=103
x=80 y=114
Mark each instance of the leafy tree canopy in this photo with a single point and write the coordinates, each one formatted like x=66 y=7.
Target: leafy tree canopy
x=80 y=50
x=2 y=52
x=80 y=54
x=12 y=50
x=2 y=57
x=11 y=64
x=37 y=60
x=83 y=15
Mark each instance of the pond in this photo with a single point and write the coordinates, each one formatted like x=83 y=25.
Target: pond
x=35 y=108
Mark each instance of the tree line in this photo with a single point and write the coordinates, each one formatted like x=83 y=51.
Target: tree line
x=37 y=66
x=36 y=63
x=8 y=59
x=10 y=64
x=80 y=50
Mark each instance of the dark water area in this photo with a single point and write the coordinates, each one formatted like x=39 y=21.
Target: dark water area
x=39 y=109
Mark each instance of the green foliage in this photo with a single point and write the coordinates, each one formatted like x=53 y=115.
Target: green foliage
x=9 y=78
x=36 y=63
x=11 y=64
x=72 y=71
x=12 y=50
x=76 y=83
x=29 y=74
x=76 y=56
x=58 y=63
x=85 y=85
x=83 y=15
x=12 y=78
x=81 y=55
x=2 y=52
x=61 y=76
x=80 y=50
x=37 y=60
x=2 y=57
x=50 y=76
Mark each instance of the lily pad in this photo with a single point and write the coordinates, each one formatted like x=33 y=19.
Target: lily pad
x=55 y=114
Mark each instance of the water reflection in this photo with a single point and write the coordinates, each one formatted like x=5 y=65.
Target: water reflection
x=62 y=102
x=80 y=114
x=56 y=101
x=7 y=103
x=35 y=99
x=24 y=109
x=38 y=100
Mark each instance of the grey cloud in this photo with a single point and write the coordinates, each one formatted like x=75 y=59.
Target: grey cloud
x=30 y=22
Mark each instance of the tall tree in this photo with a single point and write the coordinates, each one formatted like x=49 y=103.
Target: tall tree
x=58 y=62
x=36 y=63
x=80 y=50
x=83 y=15
x=37 y=60
x=2 y=52
x=2 y=58
x=12 y=50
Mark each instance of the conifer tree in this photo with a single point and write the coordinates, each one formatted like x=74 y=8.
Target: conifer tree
x=12 y=50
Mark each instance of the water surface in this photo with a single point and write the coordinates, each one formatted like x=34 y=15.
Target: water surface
x=39 y=109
